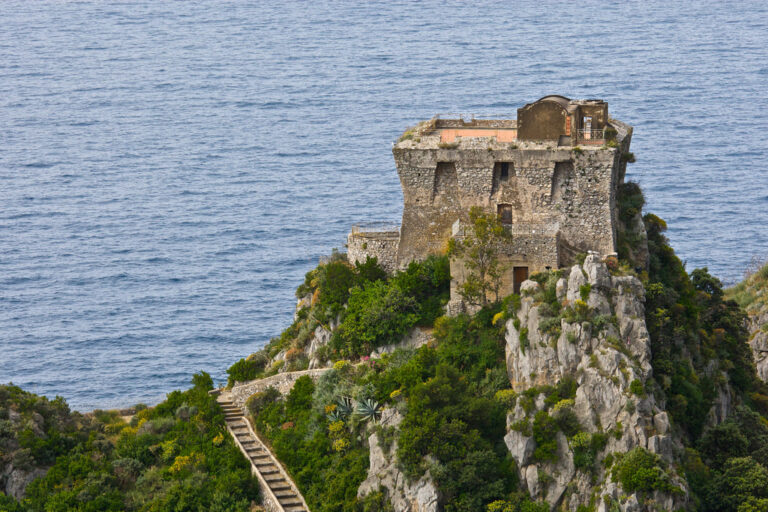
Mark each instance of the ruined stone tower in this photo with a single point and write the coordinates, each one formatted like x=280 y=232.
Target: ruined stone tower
x=551 y=176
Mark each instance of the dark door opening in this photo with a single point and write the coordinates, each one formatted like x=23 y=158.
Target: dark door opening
x=519 y=275
x=505 y=213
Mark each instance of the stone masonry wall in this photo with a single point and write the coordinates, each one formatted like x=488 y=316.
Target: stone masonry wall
x=380 y=244
x=283 y=382
x=555 y=188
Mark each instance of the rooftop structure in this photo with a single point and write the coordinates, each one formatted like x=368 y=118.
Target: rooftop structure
x=551 y=175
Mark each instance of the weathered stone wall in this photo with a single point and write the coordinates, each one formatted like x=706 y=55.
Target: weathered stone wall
x=537 y=251
x=379 y=244
x=548 y=188
x=283 y=382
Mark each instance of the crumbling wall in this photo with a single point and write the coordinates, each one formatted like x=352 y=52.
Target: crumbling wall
x=379 y=244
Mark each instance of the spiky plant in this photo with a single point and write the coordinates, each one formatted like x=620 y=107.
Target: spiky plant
x=334 y=416
x=344 y=407
x=369 y=409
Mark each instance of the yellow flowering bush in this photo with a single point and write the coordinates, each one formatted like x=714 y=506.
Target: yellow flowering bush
x=183 y=462
x=341 y=444
x=340 y=365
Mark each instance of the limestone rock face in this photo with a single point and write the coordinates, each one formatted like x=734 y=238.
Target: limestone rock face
x=17 y=480
x=758 y=341
x=383 y=473
x=602 y=342
x=15 y=476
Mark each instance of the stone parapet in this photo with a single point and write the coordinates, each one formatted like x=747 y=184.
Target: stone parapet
x=382 y=245
x=283 y=382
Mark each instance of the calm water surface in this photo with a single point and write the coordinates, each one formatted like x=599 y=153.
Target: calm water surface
x=170 y=170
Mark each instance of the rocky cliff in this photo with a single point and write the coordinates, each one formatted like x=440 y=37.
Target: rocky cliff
x=598 y=338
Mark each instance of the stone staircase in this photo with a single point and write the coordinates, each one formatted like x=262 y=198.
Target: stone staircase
x=278 y=490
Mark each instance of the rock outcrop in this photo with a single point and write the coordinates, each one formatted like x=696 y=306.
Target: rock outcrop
x=599 y=340
x=17 y=467
x=758 y=341
x=383 y=473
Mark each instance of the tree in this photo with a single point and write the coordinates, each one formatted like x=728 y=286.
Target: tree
x=479 y=250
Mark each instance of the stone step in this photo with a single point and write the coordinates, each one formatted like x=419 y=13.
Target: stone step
x=274 y=477
x=283 y=493
x=277 y=486
x=268 y=470
x=297 y=508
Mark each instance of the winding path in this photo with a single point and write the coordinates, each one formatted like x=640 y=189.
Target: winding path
x=279 y=492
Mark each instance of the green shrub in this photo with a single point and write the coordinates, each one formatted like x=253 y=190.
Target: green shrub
x=243 y=370
x=258 y=401
x=545 y=430
x=376 y=315
x=167 y=463
x=637 y=388
x=585 y=448
x=641 y=470
x=523 y=339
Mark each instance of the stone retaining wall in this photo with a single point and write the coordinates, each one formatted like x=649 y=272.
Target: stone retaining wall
x=380 y=244
x=283 y=382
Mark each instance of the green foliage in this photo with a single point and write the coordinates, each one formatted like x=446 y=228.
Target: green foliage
x=164 y=461
x=742 y=486
x=376 y=315
x=519 y=503
x=524 y=343
x=479 y=252
x=260 y=400
x=243 y=370
x=643 y=471
x=327 y=459
x=452 y=415
x=545 y=429
x=584 y=291
x=637 y=388
x=428 y=283
x=696 y=335
x=630 y=200
x=381 y=312
x=734 y=455
x=334 y=281
x=630 y=203
x=369 y=409
x=375 y=502
x=585 y=448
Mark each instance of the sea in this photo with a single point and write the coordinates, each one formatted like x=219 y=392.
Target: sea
x=170 y=170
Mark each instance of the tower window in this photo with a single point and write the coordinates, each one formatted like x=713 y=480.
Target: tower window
x=504 y=171
x=505 y=213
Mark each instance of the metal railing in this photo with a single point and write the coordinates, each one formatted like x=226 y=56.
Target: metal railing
x=591 y=135
x=468 y=117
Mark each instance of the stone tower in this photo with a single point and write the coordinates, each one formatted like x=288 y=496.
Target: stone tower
x=551 y=176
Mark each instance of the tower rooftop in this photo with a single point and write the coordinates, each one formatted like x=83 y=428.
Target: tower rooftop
x=550 y=121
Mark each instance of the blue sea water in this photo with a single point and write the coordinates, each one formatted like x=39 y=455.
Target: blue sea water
x=170 y=170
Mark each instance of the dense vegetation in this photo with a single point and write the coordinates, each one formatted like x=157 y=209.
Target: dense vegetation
x=699 y=346
x=366 y=308
x=175 y=456
x=452 y=397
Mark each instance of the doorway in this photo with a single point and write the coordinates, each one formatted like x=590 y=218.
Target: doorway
x=519 y=274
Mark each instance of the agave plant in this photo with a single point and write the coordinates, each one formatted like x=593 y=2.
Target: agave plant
x=344 y=406
x=334 y=416
x=369 y=409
